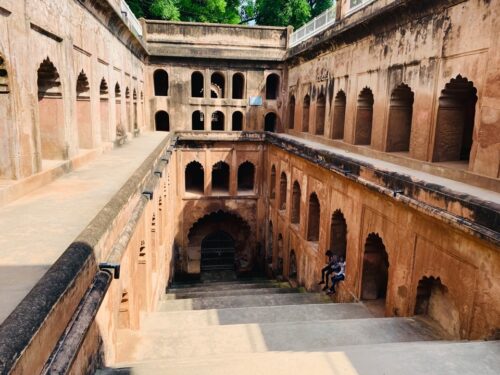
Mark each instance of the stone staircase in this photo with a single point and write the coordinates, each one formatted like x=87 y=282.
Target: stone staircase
x=267 y=327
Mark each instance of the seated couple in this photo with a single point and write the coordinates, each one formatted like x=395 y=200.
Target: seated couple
x=336 y=268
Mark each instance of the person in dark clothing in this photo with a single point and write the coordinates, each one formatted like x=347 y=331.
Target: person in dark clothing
x=339 y=275
x=326 y=271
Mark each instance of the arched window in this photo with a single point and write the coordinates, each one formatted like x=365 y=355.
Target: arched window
x=246 y=176
x=237 y=121
x=314 y=216
x=218 y=121
x=279 y=263
x=320 y=114
x=338 y=234
x=339 y=106
x=160 y=78
x=375 y=269
x=292 y=266
x=400 y=115
x=4 y=77
x=272 y=184
x=7 y=168
x=272 y=86
x=198 y=120
x=51 y=112
x=197 y=85
x=455 y=121
x=305 y=113
x=104 y=109
x=120 y=131
x=296 y=195
x=83 y=117
x=270 y=241
x=270 y=122
x=194 y=178
x=291 y=113
x=364 y=118
x=218 y=86
x=162 y=121
x=220 y=178
x=238 y=86
x=283 y=187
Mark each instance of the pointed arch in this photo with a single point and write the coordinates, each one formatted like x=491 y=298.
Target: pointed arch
x=320 y=114
x=313 y=216
x=455 y=121
x=339 y=106
x=375 y=274
x=83 y=112
x=364 y=118
x=305 y=113
x=194 y=178
x=246 y=176
x=283 y=190
x=400 y=117
x=51 y=112
x=291 y=113
x=296 y=196
x=220 y=178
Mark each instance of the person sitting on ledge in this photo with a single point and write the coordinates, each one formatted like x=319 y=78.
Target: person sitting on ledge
x=326 y=271
x=339 y=275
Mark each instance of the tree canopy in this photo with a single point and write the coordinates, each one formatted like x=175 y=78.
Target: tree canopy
x=263 y=12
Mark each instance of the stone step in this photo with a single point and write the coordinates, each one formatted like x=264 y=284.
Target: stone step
x=228 y=292
x=413 y=358
x=266 y=337
x=197 y=284
x=265 y=314
x=208 y=287
x=242 y=301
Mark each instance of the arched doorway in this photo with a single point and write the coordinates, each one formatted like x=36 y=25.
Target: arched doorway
x=217 y=252
x=435 y=301
x=364 y=118
x=375 y=269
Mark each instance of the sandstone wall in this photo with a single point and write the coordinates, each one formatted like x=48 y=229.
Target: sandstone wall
x=425 y=46
x=73 y=39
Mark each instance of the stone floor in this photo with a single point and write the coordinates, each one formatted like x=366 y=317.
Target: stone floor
x=37 y=228
x=218 y=332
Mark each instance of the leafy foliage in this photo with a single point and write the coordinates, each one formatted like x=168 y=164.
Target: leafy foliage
x=263 y=12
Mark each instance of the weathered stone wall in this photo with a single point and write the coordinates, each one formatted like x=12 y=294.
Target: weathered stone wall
x=424 y=45
x=90 y=41
x=418 y=245
x=244 y=207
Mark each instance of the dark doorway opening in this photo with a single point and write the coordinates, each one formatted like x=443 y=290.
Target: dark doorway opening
x=220 y=178
x=364 y=118
x=162 y=121
x=237 y=121
x=339 y=106
x=375 y=269
x=197 y=84
x=217 y=252
x=270 y=122
x=272 y=86
x=198 y=121
x=194 y=178
x=238 y=86
x=160 y=78
x=218 y=121
x=400 y=116
x=218 y=86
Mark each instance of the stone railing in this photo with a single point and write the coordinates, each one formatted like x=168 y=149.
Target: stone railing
x=130 y=19
x=314 y=26
x=324 y=20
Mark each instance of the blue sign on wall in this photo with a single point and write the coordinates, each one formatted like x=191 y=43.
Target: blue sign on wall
x=256 y=100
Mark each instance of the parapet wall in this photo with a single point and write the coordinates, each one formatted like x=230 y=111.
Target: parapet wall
x=202 y=41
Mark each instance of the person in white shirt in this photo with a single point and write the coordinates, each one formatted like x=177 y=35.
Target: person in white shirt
x=339 y=275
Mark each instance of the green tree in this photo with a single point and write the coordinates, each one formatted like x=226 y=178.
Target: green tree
x=319 y=6
x=282 y=12
x=165 y=10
